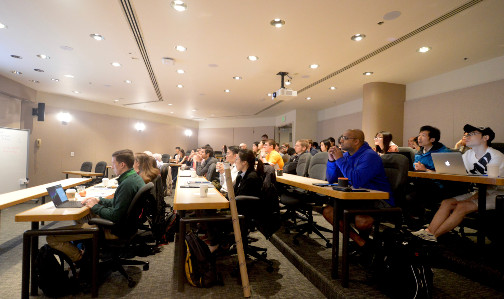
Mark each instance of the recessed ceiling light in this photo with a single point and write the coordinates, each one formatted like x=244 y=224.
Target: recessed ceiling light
x=332 y=88
x=54 y=79
x=115 y=101
x=180 y=71
x=194 y=110
x=252 y=58
x=314 y=66
x=269 y=94
x=69 y=76
x=171 y=112
x=277 y=23
x=38 y=70
x=3 y=26
x=66 y=48
x=424 y=49
x=127 y=81
x=308 y=98
x=367 y=73
x=227 y=90
x=180 y=85
x=43 y=56
x=116 y=64
x=76 y=91
x=178 y=5
x=35 y=81
x=16 y=72
x=237 y=78
x=16 y=56
x=180 y=48
x=358 y=37
x=170 y=104
x=288 y=82
x=97 y=36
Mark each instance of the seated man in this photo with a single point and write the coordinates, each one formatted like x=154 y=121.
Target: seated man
x=113 y=209
x=203 y=162
x=476 y=161
x=271 y=156
x=300 y=148
x=428 y=140
x=364 y=169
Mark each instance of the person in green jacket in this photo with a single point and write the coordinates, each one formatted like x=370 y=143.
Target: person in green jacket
x=113 y=209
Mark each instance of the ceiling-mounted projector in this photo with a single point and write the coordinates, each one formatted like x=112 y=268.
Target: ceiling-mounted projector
x=283 y=93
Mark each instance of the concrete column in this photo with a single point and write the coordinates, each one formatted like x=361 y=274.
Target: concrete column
x=383 y=110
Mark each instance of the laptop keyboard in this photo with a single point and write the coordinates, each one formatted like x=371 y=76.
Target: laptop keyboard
x=71 y=204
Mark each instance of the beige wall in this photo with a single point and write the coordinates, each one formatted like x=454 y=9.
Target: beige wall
x=334 y=127
x=481 y=105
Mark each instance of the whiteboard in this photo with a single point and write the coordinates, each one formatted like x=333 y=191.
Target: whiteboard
x=13 y=158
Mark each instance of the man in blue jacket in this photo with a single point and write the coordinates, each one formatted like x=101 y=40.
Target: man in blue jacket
x=428 y=140
x=363 y=167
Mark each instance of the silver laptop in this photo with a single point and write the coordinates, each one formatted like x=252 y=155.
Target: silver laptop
x=449 y=162
x=60 y=199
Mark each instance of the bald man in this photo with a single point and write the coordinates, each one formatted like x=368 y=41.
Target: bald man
x=243 y=146
x=363 y=167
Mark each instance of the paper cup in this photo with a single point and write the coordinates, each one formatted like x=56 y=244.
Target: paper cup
x=70 y=193
x=203 y=190
x=493 y=171
x=105 y=182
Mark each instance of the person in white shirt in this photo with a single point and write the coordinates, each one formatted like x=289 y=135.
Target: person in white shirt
x=231 y=154
x=476 y=161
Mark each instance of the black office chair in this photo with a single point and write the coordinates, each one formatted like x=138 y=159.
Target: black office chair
x=300 y=203
x=164 y=176
x=87 y=166
x=126 y=230
x=101 y=167
x=260 y=213
x=165 y=158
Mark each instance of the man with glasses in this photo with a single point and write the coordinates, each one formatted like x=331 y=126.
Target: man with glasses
x=271 y=156
x=477 y=160
x=300 y=148
x=363 y=167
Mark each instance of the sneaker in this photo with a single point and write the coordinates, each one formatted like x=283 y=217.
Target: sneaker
x=425 y=235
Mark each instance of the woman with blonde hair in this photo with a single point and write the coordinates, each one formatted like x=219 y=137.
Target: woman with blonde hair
x=145 y=167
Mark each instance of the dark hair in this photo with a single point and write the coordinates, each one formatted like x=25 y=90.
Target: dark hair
x=256 y=143
x=416 y=140
x=125 y=156
x=177 y=147
x=332 y=140
x=326 y=142
x=209 y=151
x=264 y=136
x=235 y=149
x=182 y=151
x=315 y=144
x=249 y=157
x=147 y=167
x=433 y=132
x=387 y=138
x=270 y=142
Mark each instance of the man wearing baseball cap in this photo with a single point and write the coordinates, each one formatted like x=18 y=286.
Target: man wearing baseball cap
x=477 y=160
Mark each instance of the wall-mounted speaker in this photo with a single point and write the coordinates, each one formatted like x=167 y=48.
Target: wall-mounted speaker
x=39 y=111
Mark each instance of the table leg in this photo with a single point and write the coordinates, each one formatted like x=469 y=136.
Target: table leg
x=42 y=200
x=34 y=249
x=482 y=189
x=25 y=277
x=94 y=268
x=335 y=247
x=181 y=252
x=67 y=175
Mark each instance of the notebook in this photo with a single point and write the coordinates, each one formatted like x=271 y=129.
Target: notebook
x=60 y=199
x=449 y=162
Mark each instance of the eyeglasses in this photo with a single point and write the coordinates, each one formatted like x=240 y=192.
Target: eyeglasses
x=472 y=133
x=378 y=137
x=346 y=138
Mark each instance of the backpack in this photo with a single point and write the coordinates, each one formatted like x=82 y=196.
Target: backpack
x=402 y=266
x=165 y=231
x=200 y=266
x=52 y=277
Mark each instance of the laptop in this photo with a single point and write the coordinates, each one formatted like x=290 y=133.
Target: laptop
x=60 y=199
x=449 y=162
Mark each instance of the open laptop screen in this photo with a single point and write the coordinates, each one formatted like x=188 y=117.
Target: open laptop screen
x=57 y=194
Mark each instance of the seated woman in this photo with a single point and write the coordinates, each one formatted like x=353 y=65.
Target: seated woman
x=145 y=166
x=384 y=144
x=325 y=145
x=249 y=179
x=476 y=161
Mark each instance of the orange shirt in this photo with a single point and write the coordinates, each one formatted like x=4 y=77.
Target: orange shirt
x=275 y=158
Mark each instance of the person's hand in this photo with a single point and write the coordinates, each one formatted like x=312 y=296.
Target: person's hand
x=90 y=202
x=198 y=158
x=220 y=167
x=334 y=153
x=420 y=166
x=460 y=143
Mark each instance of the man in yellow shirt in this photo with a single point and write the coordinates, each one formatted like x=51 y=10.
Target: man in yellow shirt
x=272 y=157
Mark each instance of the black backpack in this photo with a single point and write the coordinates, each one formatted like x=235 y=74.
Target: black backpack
x=165 y=231
x=403 y=267
x=200 y=266
x=52 y=277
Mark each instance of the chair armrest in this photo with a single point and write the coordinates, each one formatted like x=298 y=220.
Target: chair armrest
x=101 y=222
x=247 y=198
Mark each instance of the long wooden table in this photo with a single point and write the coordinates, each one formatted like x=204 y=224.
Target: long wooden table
x=189 y=199
x=48 y=212
x=338 y=198
x=82 y=173
x=481 y=182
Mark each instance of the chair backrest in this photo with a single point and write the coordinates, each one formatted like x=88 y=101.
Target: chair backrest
x=212 y=174
x=396 y=169
x=165 y=158
x=164 y=175
x=407 y=149
x=129 y=225
x=101 y=167
x=285 y=158
x=158 y=190
x=498 y=146
x=269 y=219
x=87 y=166
x=318 y=165
x=303 y=164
